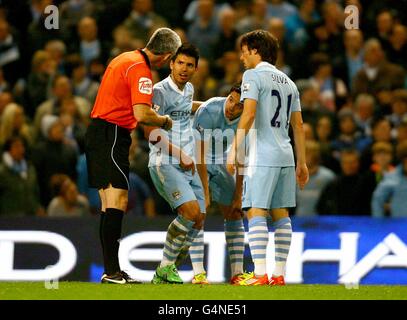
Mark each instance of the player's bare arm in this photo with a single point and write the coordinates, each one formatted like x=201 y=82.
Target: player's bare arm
x=201 y=150
x=186 y=162
x=195 y=106
x=245 y=123
x=145 y=115
x=299 y=139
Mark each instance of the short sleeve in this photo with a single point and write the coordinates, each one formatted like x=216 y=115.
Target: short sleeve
x=203 y=123
x=296 y=105
x=140 y=83
x=250 y=87
x=158 y=100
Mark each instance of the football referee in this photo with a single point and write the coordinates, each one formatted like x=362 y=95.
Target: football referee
x=123 y=100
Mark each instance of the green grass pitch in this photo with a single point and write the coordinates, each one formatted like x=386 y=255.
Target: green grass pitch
x=95 y=291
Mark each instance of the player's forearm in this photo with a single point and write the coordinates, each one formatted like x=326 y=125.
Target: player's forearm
x=299 y=140
x=145 y=115
x=203 y=174
x=239 y=186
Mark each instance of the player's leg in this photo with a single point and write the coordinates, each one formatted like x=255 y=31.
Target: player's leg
x=282 y=243
x=283 y=198
x=101 y=225
x=222 y=186
x=197 y=245
x=234 y=234
x=174 y=187
x=258 y=188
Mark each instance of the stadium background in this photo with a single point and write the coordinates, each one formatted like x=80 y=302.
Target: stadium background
x=353 y=94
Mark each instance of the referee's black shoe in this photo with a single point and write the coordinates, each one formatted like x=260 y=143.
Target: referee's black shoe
x=120 y=277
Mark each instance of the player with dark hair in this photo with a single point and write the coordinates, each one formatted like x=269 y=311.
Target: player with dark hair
x=172 y=163
x=271 y=103
x=215 y=124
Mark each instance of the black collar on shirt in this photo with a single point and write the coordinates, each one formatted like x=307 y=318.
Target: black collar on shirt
x=145 y=58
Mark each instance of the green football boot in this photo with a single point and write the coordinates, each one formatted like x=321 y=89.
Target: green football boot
x=167 y=274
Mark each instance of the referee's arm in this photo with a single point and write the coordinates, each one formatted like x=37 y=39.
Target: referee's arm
x=147 y=116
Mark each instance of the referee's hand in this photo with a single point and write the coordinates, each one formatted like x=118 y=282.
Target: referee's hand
x=167 y=124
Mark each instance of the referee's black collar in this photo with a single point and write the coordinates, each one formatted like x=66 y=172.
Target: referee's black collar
x=145 y=57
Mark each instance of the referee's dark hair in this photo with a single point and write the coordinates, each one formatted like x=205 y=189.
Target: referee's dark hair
x=189 y=50
x=236 y=88
x=264 y=42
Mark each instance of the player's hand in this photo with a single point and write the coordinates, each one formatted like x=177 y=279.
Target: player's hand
x=167 y=125
x=186 y=163
x=302 y=175
x=231 y=162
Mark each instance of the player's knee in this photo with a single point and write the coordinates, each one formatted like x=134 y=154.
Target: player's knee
x=119 y=202
x=191 y=211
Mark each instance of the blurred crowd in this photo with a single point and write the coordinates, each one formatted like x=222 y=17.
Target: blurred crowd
x=352 y=84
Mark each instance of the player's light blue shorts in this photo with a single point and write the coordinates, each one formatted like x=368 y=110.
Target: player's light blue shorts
x=269 y=188
x=177 y=186
x=221 y=184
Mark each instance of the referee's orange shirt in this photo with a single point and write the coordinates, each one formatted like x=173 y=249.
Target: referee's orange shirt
x=127 y=81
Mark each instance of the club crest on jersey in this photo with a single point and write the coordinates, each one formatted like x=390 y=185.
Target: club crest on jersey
x=145 y=85
x=246 y=87
x=176 y=195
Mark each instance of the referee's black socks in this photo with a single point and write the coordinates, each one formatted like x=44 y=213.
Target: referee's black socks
x=111 y=232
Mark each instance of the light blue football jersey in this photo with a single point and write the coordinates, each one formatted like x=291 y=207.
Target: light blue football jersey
x=169 y=100
x=210 y=122
x=277 y=96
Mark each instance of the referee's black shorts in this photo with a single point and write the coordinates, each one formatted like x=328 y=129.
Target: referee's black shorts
x=107 y=155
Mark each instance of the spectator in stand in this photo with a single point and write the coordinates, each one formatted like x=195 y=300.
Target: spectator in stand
x=204 y=31
x=205 y=86
x=401 y=133
x=319 y=178
x=66 y=201
x=327 y=36
x=141 y=201
x=123 y=41
x=311 y=108
x=347 y=65
x=10 y=56
x=39 y=81
x=397 y=50
x=364 y=109
x=377 y=74
x=227 y=37
x=398 y=108
x=324 y=132
x=308 y=131
x=90 y=46
x=82 y=85
x=258 y=18
x=142 y=20
x=382 y=158
x=281 y=9
x=297 y=25
x=384 y=27
x=392 y=190
x=13 y=123
x=62 y=89
x=53 y=156
x=4 y=85
x=71 y=12
x=5 y=99
x=57 y=51
x=231 y=73
x=349 y=137
x=19 y=192
x=381 y=132
x=332 y=90
x=342 y=195
x=39 y=33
